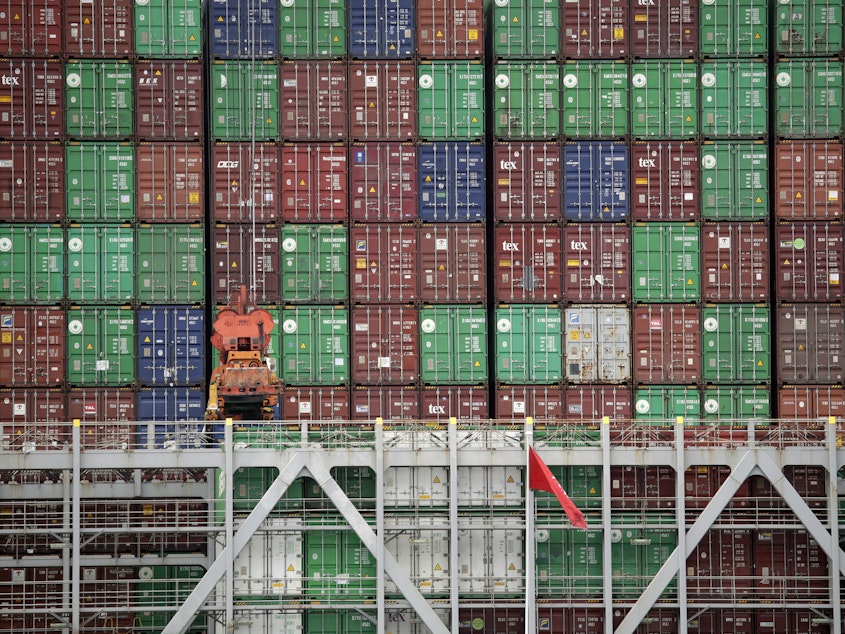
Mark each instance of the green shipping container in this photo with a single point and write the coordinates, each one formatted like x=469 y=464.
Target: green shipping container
x=101 y=263
x=734 y=28
x=736 y=405
x=662 y=404
x=101 y=346
x=666 y=264
x=529 y=344
x=98 y=99
x=315 y=345
x=339 y=622
x=664 y=99
x=808 y=98
x=453 y=345
x=100 y=181
x=315 y=263
x=32 y=259
x=337 y=564
x=808 y=27
x=166 y=586
x=170 y=264
x=581 y=483
x=734 y=180
x=734 y=101
x=244 y=101
x=526 y=29
x=735 y=343
x=637 y=554
x=526 y=100
x=273 y=352
x=250 y=483
x=359 y=484
x=569 y=563
x=168 y=28
x=595 y=99
x=312 y=28
x=450 y=98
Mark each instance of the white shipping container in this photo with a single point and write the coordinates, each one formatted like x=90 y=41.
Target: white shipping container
x=422 y=553
x=490 y=486
x=490 y=559
x=271 y=564
x=598 y=344
x=260 y=622
x=416 y=486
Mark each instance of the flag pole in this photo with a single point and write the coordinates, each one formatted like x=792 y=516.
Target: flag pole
x=530 y=626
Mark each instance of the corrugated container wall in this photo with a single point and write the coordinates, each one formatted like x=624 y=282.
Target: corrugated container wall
x=168 y=28
x=32 y=28
x=312 y=29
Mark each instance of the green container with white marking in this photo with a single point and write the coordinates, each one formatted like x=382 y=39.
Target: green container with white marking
x=734 y=406
x=666 y=263
x=525 y=29
x=312 y=28
x=662 y=404
x=734 y=180
x=315 y=345
x=808 y=98
x=453 y=345
x=664 y=99
x=168 y=28
x=100 y=182
x=32 y=264
x=101 y=263
x=170 y=264
x=101 y=346
x=736 y=347
x=244 y=101
x=450 y=100
x=595 y=99
x=315 y=263
x=98 y=99
x=734 y=28
x=526 y=100
x=734 y=99
x=528 y=344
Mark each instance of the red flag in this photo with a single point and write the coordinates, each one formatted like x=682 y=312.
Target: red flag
x=540 y=478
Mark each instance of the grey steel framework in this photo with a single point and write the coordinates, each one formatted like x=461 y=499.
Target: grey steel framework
x=754 y=450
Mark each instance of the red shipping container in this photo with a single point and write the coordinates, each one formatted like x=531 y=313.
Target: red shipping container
x=32 y=99
x=178 y=517
x=517 y=402
x=527 y=260
x=633 y=487
x=666 y=343
x=464 y=402
x=452 y=262
x=809 y=257
x=657 y=621
x=492 y=620
x=665 y=180
x=313 y=99
x=32 y=182
x=246 y=257
x=589 y=404
x=391 y=403
x=735 y=261
x=169 y=100
x=810 y=343
x=33 y=419
x=32 y=346
x=451 y=29
x=315 y=403
x=597 y=257
x=383 y=182
x=664 y=29
x=721 y=565
x=527 y=182
x=99 y=29
x=106 y=416
x=382 y=100
x=702 y=482
x=383 y=263
x=384 y=346
x=808 y=180
x=810 y=402
x=245 y=181
x=810 y=482
x=170 y=180
x=314 y=182
x=595 y=29
x=736 y=621
x=31 y=28
x=585 y=620
x=789 y=563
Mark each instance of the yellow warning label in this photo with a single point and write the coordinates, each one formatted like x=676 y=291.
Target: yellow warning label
x=269 y=121
x=428 y=179
x=573 y=263
x=511 y=567
x=158 y=73
x=477 y=364
x=641 y=181
x=86 y=21
x=302 y=182
x=510 y=480
x=220 y=19
x=290 y=567
x=146 y=340
x=17 y=16
x=583 y=31
x=475 y=119
x=575 y=335
x=159 y=197
x=373 y=264
x=760 y=364
x=336 y=39
x=688 y=119
x=438 y=567
x=372 y=189
x=786 y=262
x=759 y=200
x=641 y=18
x=436 y=480
x=618 y=34
x=439 y=34
x=689 y=282
x=192 y=39
x=472 y=35
x=756 y=36
x=90 y=347
x=798 y=195
x=360 y=263
x=592 y=490
x=193 y=197
x=194 y=283
x=800 y=346
x=7 y=337
x=302 y=346
x=234 y=265
x=20 y=337
x=441 y=268
x=725 y=267
x=6 y=99
x=515 y=19
x=372 y=104
x=393 y=47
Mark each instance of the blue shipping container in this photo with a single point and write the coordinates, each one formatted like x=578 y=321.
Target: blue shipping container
x=244 y=29
x=452 y=182
x=171 y=345
x=184 y=410
x=382 y=29
x=595 y=181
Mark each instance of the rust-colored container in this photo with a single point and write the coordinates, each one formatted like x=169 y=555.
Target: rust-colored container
x=315 y=403
x=384 y=346
x=176 y=526
x=702 y=482
x=313 y=182
x=665 y=180
x=736 y=621
x=597 y=262
x=527 y=260
x=720 y=565
x=33 y=418
x=735 y=261
x=810 y=482
x=383 y=263
x=31 y=28
x=810 y=261
x=243 y=257
x=590 y=403
x=464 y=402
x=313 y=101
x=666 y=343
x=450 y=29
x=452 y=263
x=635 y=487
x=169 y=100
x=788 y=562
x=810 y=402
x=595 y=29
x=810 y=343
x=382 y=100
x=808 y=180
x=383 y=182
x=170 y=182
x=245 y=182
x=527 y=182
x=99 y=29
x=32 y=346
x=664 y=29
x=541 y=402
x=32 y=99
x=32 y=182
x=105 y=416
x=388 y=402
